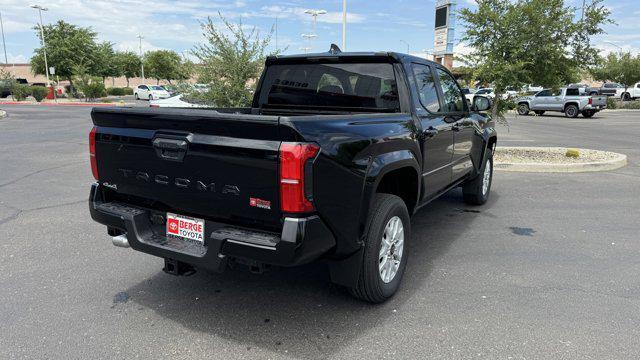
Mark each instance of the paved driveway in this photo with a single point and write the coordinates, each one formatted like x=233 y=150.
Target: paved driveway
x=547 y=269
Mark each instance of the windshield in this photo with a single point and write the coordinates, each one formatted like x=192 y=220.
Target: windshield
x=155 y=87
x=365 y=86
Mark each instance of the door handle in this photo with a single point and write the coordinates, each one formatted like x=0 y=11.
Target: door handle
x=431 y=132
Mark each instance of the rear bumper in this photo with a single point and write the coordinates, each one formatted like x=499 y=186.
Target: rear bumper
x=302 y=240
x=594 y=107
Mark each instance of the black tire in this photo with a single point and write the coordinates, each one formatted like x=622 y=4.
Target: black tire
x=571 y=111
x=370 y=286
x=588 y=113
x=473 y=191
x=539 y=112
x=626 y=97
x=523 y=109
x=137 y=97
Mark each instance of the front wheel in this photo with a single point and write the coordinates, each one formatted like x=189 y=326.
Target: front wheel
x=626 y=97
x=571 y=111
x=476 y=191
x=385 y=255
x=523 y=109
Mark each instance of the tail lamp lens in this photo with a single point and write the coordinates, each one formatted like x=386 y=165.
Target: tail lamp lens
x=92 y=152
x=293 y=158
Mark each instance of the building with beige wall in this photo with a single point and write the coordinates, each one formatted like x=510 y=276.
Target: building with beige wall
x=23 y=71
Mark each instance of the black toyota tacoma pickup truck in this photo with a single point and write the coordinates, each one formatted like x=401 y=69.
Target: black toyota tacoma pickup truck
x=335 y=155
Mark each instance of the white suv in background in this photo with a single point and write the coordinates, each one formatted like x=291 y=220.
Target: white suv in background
x=150 y=92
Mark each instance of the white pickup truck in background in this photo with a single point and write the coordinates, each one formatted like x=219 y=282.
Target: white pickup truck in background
x=566 y=100
x=632 y=92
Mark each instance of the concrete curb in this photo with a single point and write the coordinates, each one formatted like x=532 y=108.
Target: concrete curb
x=605 y=165
x=3 y=114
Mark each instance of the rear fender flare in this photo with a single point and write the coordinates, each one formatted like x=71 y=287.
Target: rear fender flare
x=347 y=270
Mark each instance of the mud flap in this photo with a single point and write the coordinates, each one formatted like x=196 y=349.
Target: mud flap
x=346 y=272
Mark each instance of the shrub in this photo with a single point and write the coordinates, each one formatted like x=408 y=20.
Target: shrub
x=115 y=91
x=39 y=92
x=127 y=91
x=20 y=91
x=94 y=90
x=612 y=103
x=633 y=105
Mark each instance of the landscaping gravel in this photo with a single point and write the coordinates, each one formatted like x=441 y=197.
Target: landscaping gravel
x=545 y=155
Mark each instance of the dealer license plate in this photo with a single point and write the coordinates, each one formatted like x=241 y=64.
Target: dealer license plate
x=185 y=227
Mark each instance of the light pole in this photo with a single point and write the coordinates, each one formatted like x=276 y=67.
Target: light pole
x=614 y=44
x=4 y=45
x=402 y=41
x=344 y=25
x=308 y=37
x=315 y=14
x=140 y=37
x=44 y=44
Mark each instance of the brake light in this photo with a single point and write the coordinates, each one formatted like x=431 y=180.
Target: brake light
x=92 y=153
x=590 y=101
x=293 y=159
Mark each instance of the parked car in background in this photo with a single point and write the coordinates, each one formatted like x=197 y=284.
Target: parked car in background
x=469 y=94
x=611 y=89
x=631 y=93
x=172 y=90
x=534 y=88
x=150 y=92
x=201 y=88
x=566 y=100
x=177 y=101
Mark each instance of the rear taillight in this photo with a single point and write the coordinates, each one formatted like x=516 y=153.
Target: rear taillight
x=590 y=101
x=293 y=160
x=92 y=152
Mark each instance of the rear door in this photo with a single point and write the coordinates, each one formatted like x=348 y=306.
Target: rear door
x=457 y=114
x=192 y=162
x=437 y=135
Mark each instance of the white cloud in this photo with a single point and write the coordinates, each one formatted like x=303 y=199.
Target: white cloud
x=331 y=17
x=15 y=59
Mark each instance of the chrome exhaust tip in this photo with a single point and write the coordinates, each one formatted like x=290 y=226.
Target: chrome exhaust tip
x=121 y=241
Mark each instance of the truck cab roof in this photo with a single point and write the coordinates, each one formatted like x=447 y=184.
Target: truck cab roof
x=368 y=56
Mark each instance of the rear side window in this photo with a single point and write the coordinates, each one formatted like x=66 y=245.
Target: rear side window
x=453 y=99
x=426 y=87
x=358 y=86
x=573 y=92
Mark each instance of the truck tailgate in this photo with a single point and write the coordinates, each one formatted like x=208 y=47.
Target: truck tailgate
x=193 y=162
x=599 y=101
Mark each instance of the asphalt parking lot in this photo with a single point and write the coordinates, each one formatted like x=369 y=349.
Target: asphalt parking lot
x=548 y=269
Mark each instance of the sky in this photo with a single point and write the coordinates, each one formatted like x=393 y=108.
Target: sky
x=373 y=25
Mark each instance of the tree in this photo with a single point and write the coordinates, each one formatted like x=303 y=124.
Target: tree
x=231 y=60
x=104 y=62
x=129 y=64
x=621 y=68
x=67 y=46
x=521 y=42
x=163 y=65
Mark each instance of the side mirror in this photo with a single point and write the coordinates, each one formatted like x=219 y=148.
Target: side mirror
x=481 y=103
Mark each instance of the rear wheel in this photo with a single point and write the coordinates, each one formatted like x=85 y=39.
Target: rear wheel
x=626 y=97
x=385 y=255
x=523 y=109
x=476 y=191
x=571 y=111
x=588 y=113
x=539 y=112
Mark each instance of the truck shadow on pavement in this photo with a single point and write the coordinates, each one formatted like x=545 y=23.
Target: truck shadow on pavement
x=297 y=311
